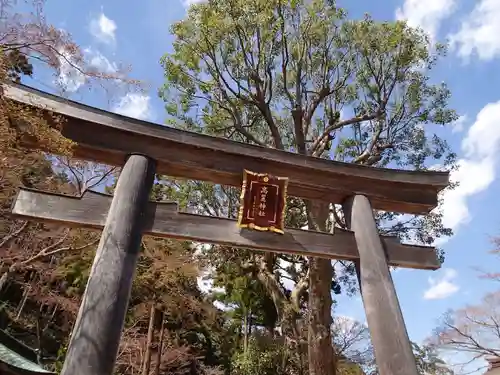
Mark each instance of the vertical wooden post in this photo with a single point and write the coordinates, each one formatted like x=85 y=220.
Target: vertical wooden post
x=393 y=352
x=159 y=352
x=146 y=365
x=96 y=336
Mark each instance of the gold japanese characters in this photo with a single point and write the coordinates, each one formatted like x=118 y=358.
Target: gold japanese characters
x=263 y=202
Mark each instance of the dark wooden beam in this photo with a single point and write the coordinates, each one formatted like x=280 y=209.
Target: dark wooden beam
x=164 y=220
x=107 y=138
x=393 y=351
x=95 y=339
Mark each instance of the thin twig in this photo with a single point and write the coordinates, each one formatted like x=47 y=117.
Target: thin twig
x=14 y=234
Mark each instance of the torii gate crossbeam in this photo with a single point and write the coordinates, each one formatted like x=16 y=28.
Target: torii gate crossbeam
x=148 y=148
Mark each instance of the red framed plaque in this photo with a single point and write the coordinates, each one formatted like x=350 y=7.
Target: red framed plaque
x=263 y=202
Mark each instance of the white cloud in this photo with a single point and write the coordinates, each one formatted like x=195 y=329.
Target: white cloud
x=426 y=14
x=71 y=72
x=70 y=77
x=473 y=177
x=103 y=29
x=476 y=170
x=478 y=33
x=135 y=105
x=458 y=125
x=442 y=287
x=483 y=137
x=97 y=60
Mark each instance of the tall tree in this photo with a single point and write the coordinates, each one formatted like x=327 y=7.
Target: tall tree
x=299 y=76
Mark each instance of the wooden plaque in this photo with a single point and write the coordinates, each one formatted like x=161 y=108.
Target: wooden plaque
x=262 y=202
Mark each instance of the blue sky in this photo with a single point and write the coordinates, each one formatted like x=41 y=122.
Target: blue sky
x=137 y=33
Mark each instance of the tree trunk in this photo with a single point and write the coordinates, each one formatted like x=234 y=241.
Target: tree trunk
x=160 y=344
x=268 y=280
x=286 y=313
x=321 y=354
x=149 y=345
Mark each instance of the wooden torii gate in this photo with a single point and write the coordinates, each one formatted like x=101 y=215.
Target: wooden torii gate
x=145 y=149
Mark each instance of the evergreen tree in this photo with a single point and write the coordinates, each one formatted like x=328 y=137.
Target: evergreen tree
x=300 y=76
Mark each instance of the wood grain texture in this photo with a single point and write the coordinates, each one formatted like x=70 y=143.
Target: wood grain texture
x=393 y=352
x=164 y=220
x=107 y=137
x=96 y=335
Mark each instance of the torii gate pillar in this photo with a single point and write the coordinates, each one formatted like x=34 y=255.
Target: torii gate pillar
x=393 y=352
x=95 y=340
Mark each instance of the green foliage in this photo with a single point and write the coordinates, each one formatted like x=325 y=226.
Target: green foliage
x=261 y=358
x=246 y=296
x=59 y=362
x=75 y=272
x=231 y=77
x=300 y=76
x=349 y=368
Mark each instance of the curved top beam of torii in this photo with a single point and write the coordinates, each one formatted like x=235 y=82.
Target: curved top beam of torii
x=108 y=137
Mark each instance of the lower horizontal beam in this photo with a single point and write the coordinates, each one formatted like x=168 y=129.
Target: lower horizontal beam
x=164 y=220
